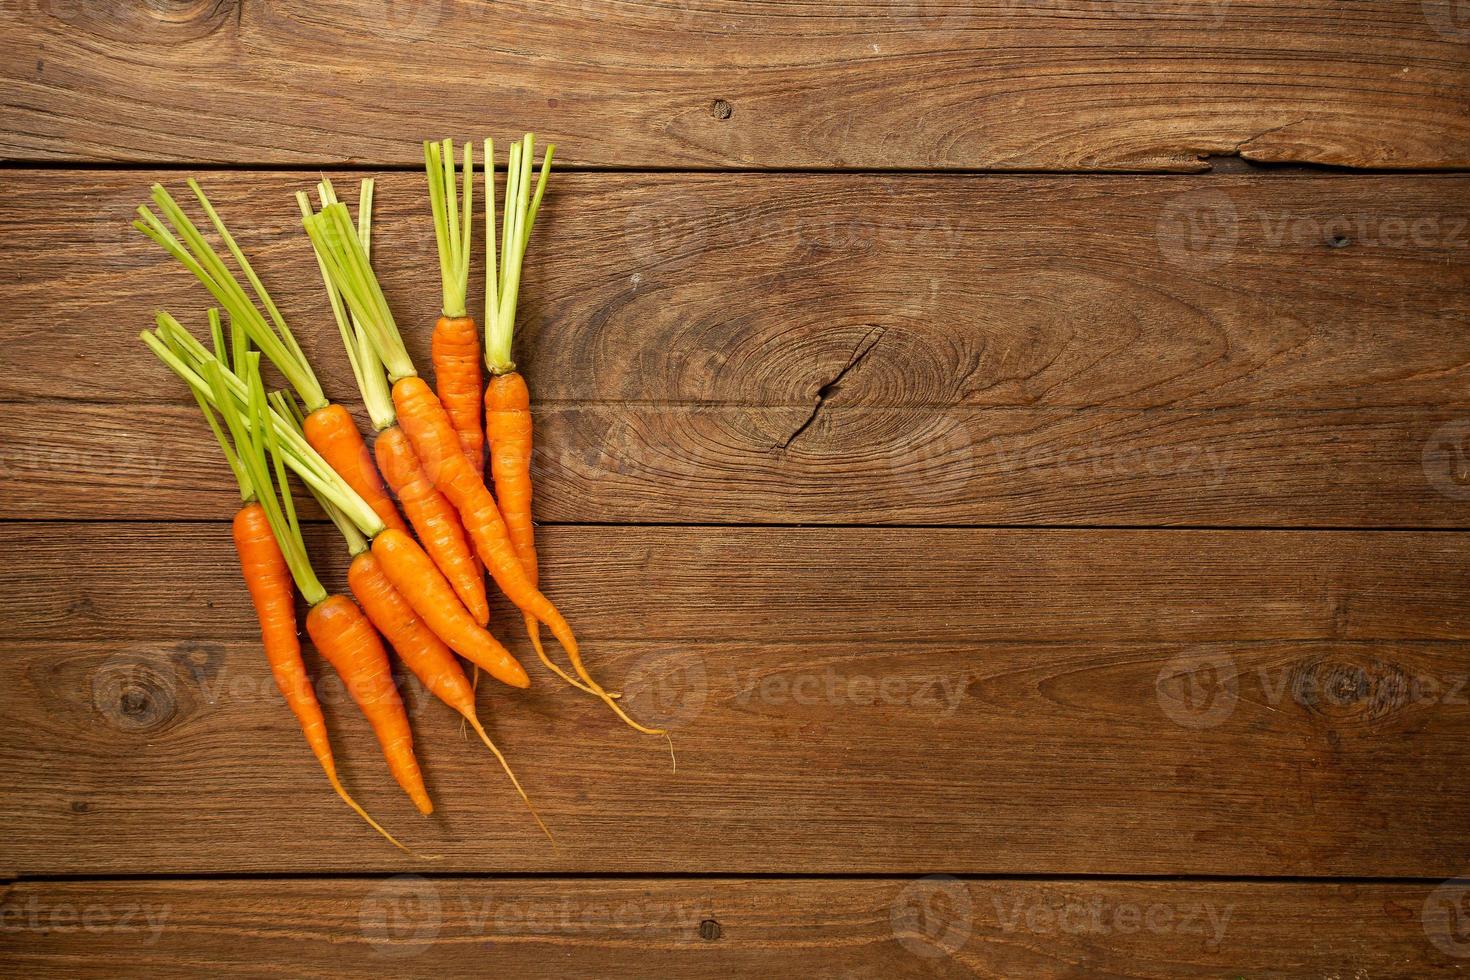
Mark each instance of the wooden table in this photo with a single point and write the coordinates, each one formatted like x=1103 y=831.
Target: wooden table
x=1019 y=449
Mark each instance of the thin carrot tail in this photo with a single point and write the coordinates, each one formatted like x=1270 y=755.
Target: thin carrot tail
x=563 y=633
x=533 y=630
x=480 y=730
x=346 y=798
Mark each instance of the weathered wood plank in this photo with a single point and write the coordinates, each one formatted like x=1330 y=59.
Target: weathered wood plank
x=1071 y=84
x=671 y=583
x=722 y=927
x=1127 y=292
x=622 y=462
x=1171 y=702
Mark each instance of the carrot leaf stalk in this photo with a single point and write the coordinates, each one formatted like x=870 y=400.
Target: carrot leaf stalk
x=503 y=281
x=367 y=369
x=451 y=227
x=267 y=330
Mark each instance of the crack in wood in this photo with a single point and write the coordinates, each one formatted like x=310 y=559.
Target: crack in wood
x=863 y=349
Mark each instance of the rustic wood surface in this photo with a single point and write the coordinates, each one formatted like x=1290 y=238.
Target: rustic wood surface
x=1108 y=702
x=1035 y=84
x=719 y=927
x=1258 y=373
x=1097 y=537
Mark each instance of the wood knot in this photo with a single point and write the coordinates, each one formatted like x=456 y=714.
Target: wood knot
x=709 y=930
x=134 y=696
x=721 y=109
x=1351 y=691
x=1339 y=241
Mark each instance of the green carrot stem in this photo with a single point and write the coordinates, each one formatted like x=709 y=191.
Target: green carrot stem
x=331 y=231
x=248 y=429
x=492 y=274
x=260 y=292
x=502 y=291
x=237 y=467
x=452 y=229
x=366 y=369
x=197 y=255
x=299 y=455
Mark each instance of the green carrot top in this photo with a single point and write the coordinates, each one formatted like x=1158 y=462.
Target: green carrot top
x=345 y=262
x=451 y=228
x=267 y=330
x=367 y=368
x=503 y=279
x=231 y=395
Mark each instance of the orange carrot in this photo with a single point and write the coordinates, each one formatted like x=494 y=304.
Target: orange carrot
x=507 y=400
x=344 y=636
x=508 y=432
x=434 y=518
x=422 y=650
x=269 y=580
x=332 y=432
x=414 y=575
x=455 y=351
x=455 y=346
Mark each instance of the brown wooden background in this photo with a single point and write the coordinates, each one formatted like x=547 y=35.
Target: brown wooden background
x=1026 y=442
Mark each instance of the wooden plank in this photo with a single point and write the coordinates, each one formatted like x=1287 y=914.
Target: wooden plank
x=777 y=364
x=722 y=583
x=1171 y=702
x=714 y=928
x=622 y=462
x=1071 y=84
x=1050 y=292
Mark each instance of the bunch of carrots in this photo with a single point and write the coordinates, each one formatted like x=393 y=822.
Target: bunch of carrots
x=415 y=510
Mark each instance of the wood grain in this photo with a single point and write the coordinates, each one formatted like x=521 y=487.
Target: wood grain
x=1094 y=702
x=806 y=583
x=1069 y=84
x=1054 y=292
x=701 y=358
x=719 y=927
x=620 y=462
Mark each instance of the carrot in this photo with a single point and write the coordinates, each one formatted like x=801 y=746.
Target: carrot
x=269 y=574
x=414 y=575
x=423 y=418
x=344 y=636
x=432 y=517
x=435 y=520
x=422 y=650
x=455 y=343
x=507 y=399
x=329 y=428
